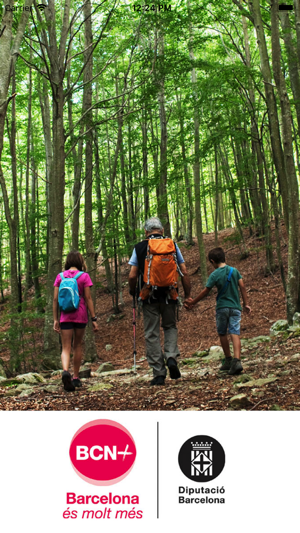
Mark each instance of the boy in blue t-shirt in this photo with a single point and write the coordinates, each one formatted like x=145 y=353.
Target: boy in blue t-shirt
x=228 y=280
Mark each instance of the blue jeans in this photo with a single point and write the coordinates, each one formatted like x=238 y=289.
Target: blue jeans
x=230 y=319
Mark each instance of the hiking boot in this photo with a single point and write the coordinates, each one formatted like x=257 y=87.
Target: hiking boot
x=158 y=380
x=173 y=368
x=236 y=367
x=226 y=364
x=67 y=381
x=76 y=382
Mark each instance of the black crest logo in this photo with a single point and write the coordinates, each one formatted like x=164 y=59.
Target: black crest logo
x=201 y=458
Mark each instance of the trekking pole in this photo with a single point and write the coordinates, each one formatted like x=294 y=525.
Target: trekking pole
x=134 y=325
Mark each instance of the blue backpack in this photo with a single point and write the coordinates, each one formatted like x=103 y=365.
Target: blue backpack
x=68 y=295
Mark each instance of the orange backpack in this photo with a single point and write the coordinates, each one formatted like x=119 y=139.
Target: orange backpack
x=161 y=268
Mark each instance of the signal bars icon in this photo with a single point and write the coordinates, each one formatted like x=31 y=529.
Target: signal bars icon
x=41 y=7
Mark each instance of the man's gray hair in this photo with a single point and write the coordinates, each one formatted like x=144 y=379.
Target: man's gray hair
x=153 y=223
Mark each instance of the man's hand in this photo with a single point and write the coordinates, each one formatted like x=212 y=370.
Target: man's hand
x=133 y=275
x=247 y=309
x=188 y=303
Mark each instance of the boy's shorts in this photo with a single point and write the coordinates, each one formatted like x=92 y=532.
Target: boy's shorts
x=228 y=318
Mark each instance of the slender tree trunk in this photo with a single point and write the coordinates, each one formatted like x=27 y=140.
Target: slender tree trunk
x=145 y=165
x=33 y=243
x=131 y=206
x=292 y=292
x=198 y=216
x=293 y=63
x=297 y=18
x=91 y=256
x=46 y=119
x=163 y=198
x=100 y=216
x=186 y=175
x=77 y=162
x=272 y=108
x=227 y=172
x=123 y=175
x=216 y=197
x=249 y=160
x=154 y=156
x=28 y=272
x=204 y=198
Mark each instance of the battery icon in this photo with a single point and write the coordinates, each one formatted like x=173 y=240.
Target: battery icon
x=285 y=7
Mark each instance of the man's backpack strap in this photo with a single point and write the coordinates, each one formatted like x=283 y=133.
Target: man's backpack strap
x=62 y=276
x=176 y=261
x=223 y=290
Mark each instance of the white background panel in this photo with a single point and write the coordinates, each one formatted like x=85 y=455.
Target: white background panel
x=261 y=473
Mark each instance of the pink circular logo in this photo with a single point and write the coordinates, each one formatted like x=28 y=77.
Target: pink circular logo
x=102 y=452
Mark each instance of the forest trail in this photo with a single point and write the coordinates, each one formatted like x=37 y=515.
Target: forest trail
x=272 y=360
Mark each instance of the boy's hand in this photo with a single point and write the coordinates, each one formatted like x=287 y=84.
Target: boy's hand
x=247 y=309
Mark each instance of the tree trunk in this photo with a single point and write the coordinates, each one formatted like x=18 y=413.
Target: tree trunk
x=216 y=197
x=28 y=273
x=189 y=237
x=91 y=256
x=131 y=206
x=145 y=165
x=292 y=62
x=57 y=179
x=292 y=289
x=100 y=216
x=8 y=55
x=272 y=108
x=198 y=216
x=123 y=176
x=46 y=120
x=163 y=198
x=33 y=243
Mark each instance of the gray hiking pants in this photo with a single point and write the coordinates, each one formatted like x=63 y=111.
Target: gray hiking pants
x=152 y=313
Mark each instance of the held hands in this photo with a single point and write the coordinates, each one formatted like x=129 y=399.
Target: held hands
x=247 y=309
x=188 y=303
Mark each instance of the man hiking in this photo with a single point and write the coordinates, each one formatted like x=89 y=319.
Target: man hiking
x=157 y=262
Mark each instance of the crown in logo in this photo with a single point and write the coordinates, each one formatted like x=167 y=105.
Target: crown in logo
x=201 y=446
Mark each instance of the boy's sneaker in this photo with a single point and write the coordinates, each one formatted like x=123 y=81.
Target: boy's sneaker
x=76 y=382
x=236 y=367
x=158 y=380
x=67 y=381
x=226 y=364
x=173 y=368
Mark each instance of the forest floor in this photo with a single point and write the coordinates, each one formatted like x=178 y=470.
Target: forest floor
x=274 y=361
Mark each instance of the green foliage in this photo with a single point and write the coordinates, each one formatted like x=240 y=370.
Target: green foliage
x=201 y=71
